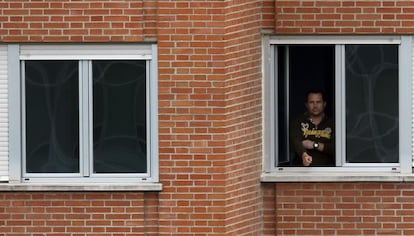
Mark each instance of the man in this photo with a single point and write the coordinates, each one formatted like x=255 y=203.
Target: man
x=312 y=133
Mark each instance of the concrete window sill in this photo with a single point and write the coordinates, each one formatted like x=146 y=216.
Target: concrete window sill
x=81 y=187
x=336 y=177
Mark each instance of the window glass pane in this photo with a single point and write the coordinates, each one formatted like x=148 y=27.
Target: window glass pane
x=119 y=117
x=284 y=158
x=52 y=116
x=371 y=103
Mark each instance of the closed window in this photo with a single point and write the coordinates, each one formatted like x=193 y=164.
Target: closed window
x=88 y=117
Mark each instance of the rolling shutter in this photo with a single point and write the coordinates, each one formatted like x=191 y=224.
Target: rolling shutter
x=4 y=116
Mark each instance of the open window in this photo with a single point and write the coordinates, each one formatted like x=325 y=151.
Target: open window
x=367 y=85
x=300 y=68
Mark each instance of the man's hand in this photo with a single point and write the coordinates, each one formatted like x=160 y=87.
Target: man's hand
x=306 y=159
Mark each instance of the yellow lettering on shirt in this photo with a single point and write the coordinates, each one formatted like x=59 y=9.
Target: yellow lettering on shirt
x=325 y=133
x=317 y=133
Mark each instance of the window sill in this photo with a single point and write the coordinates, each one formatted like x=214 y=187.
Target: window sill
x=81 y=187
x=336 y=177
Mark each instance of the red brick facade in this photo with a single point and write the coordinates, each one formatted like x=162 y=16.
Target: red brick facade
x=344 y=209
x=344 y=17
x=210 y=121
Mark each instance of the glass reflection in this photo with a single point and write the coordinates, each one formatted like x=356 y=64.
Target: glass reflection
x=372 y=103
x=52 y=116
x=119 y=117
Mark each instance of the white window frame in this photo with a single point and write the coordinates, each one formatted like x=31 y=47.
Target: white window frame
x=401 y=171
x=84 y=53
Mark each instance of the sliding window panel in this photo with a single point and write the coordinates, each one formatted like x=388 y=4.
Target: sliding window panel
x=372 y=122
x=51 y=116
x=119 y=116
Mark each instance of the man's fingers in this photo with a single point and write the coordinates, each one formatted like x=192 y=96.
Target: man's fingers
x=307 y=160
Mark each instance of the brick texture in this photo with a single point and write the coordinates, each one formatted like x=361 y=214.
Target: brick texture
x=210 y=115
x=192 y=117
x=76 y=21
x=243 y=117
x=344 y=17
x=74 y=213
x=344 y=209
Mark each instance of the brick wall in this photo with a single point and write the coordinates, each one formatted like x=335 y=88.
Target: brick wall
x=344 y=17
x=243 y=116
x=192 y=117
x=76 y=21
x=77 y=213
x=342 y=208
x=345 y=209
x=210 y=106
x=209 y=121
x=209 y=117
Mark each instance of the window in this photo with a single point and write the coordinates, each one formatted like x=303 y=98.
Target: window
x=367 y=85
x=88 y=113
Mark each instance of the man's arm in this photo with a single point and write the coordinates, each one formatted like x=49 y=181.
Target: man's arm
x=296 y=138
x=328 y=147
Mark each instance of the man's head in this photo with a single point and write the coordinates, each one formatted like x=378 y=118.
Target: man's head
x=315 y=103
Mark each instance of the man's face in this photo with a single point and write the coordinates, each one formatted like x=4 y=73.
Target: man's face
x=315 y=104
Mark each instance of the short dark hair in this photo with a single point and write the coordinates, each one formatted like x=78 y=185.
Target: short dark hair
x=317 y=91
